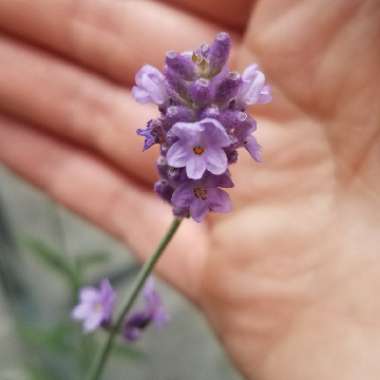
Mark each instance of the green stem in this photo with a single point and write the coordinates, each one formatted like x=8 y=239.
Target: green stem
x=144 y=273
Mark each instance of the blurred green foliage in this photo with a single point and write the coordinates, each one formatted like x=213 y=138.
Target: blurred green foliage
x=54 y=350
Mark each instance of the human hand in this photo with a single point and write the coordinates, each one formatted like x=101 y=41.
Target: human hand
x=288 y=279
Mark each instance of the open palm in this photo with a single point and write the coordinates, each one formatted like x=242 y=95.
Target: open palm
x=288 y=280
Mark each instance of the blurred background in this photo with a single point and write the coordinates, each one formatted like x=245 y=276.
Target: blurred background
x=40 y=244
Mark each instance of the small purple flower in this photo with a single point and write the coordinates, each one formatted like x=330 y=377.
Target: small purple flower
x=151 y=86
x=95 y=307
x=204 y=195
x=153 y=133
x=153 y=312
x=243 y=127
x=254 y=90
x=199 y=148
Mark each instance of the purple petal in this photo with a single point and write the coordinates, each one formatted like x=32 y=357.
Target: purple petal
x=186 y=131
x=81 y=311
x=244 y=130
x=175 y=114
x=253 y=85
x=178 y=155
x=183 y=196
x=198 y=209
x=216 y=160
x=219 y=52
x=106 y=289
x=151 y=296
x=195 y=167
x=181 y=64
x=149 y=287
x=140 y=319
x=265 y=95
x=163 y=188
x=140 y=95
x=215 y=133
x=250 y=72
x=92 y=322
x=219 y=201
x=89 y=295
x=132 y=333
x=225 y=181
x=228 y=88
x=161 y=318
x=200 y=91
x=150 y=71
x=149 y=138
x=253 y=148
x=108 y=298
x=155 y=89
x=150 y=86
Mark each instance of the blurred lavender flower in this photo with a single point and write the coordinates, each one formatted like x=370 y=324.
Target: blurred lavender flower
x=95 y=306
x=202 y=125
x=153 y=312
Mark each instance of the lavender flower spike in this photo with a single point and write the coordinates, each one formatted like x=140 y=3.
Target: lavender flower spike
x=95 y=307
x=199 y=148
x=153 y=312
x=151 y=87
x=203 y=124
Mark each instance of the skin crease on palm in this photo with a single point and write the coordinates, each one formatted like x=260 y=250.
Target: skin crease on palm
x=289 y=280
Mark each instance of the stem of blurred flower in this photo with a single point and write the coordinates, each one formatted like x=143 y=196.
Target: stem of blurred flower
x=96 y=371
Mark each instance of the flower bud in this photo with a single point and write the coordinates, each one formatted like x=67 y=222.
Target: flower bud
x=181 y=212
x=180 y=64
x=219 y=52
x=233 y=119
x=162 y=166
x=200 y=91
x=178 y=113
x=163 y=189
x=228 y=88
x=232 y=155
x=178 y=88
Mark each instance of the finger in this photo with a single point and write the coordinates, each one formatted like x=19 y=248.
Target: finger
x=75 y=104
x=114 y=37
x=101 y=194
x=225 y=12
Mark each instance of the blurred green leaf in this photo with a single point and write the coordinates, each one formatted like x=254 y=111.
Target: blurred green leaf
x=58 y=338
x=127 y=351
x=38 y=374
x=53 y=259
x=86 y=260
x=120 y=275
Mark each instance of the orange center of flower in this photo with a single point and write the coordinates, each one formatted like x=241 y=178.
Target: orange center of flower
x=200 y=193
x=198 y=150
